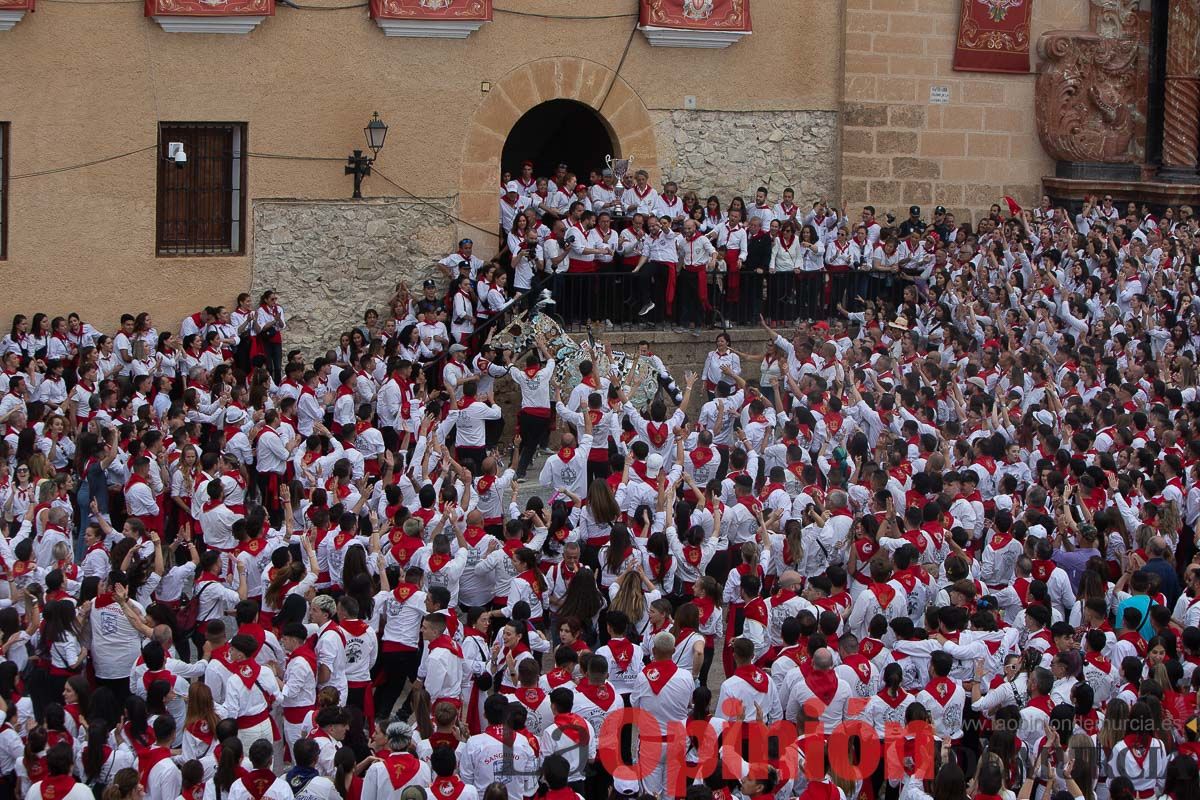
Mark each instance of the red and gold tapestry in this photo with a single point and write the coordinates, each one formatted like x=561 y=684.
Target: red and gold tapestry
x=432 y=9
x=697 y=15
x=993 y=36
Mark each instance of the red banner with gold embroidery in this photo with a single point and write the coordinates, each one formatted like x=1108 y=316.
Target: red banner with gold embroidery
x=993 y=36
x=697 y=15
x=209 y=8
x=465 y=10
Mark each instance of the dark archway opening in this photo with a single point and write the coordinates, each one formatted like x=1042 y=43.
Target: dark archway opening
x=558 y=131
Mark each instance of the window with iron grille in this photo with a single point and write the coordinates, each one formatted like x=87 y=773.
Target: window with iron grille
x=3 y=190
x=202 y=202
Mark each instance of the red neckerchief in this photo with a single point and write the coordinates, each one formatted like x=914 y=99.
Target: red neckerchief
x=1135 y=639
x=753 y=676
x=656 y=432
x=258 y=781
x=447 y=788
x=56 y=787
x=823 y=684
x=572 y=726
x=148 y=760
x=891 y=700
x=558 y=676
x=444 y=642
x=1043 y=569
x=602 y=696
x=566 y=454
x=658 y=673
x=622 y=652
x=1138 y=746
x=884 y=594
x=941 y=690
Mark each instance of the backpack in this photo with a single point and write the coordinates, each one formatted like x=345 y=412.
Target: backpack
x=185 y=617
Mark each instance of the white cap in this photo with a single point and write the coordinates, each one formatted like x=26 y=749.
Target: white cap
x=1036 y=531
x=512 y=186
x=653 y=465
x=1044 y=417
x=626 y=788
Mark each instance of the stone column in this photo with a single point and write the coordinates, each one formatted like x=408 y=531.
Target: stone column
x=1181 y=112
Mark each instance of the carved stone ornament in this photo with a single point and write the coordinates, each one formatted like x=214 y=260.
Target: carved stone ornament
x=1114 y=19
x=1086 y=97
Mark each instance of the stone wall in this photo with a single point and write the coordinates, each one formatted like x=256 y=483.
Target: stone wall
x=729 y=153
x=899 y=149
x=330 y=260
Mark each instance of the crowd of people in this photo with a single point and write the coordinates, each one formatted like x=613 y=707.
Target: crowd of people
x=958 y=516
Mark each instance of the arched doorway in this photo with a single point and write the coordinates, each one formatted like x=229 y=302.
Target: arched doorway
x=554 y=132
x=623 y=114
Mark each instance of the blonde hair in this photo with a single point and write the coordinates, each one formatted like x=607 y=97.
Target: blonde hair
x=630 y=599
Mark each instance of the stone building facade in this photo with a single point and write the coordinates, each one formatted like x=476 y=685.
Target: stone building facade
x=833 y=101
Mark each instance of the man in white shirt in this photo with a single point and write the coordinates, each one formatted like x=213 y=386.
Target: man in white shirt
x=534 y=416
x=500 y=755
x=697 y=257
x=762 y=209
x=443 y=667
x=299 y=692
x=656 y=272
x=450 y=264
x=512 y=203
x=329 y=643
x=216 y=519
x=820 y=692
x=641 y=197
x=669 y=204
x=664 y=691
x=528 y=261
x=749 y=692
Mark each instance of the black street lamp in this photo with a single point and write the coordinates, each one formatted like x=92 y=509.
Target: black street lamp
x=359 y=165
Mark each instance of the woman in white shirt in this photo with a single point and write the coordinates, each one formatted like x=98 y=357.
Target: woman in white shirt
x=58 y=649
x=497 y=296
x=462 y=315
x=722 y=356
x=886 y=263
x=787 y=256
x=516 y=235
x=713 y=216
x=811 y=277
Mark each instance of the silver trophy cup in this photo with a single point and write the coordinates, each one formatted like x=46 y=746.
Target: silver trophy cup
x=620 y=169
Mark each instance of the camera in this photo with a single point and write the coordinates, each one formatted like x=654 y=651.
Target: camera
x=176 y=153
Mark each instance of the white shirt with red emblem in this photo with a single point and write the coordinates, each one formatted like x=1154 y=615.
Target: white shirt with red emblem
x=820 y=693
x=664 y=691
x=388 y=777
x=749 y=691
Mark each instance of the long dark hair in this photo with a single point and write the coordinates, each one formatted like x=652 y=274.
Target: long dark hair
x=228 y=766
x=58 y=620
x=620 y=542
x=658 y=546
x=137 y=721
x=92 y=757
x=582 y=598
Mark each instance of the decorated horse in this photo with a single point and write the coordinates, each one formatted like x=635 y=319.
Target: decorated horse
x=643 y=376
